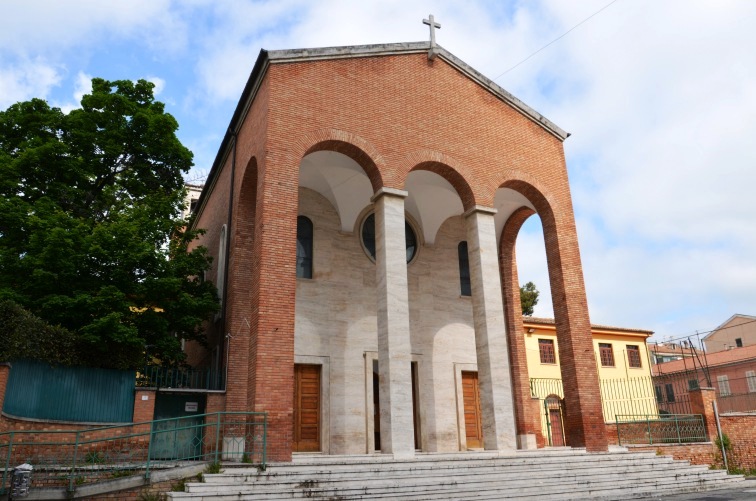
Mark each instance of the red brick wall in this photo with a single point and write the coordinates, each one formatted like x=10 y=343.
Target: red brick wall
x=4 y=374
x=391 y=114
x=695 y=453
x=144 y=409
x=741 y=429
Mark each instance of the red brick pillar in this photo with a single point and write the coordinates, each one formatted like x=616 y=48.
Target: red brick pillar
x=701 y=403
x=273 y=291
x=4 y=375
x=527 y=415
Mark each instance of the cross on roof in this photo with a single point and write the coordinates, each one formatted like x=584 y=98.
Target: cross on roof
x=432 y=24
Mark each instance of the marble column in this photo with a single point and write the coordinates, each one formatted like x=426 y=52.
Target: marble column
x=496 y=401
x=394 y=359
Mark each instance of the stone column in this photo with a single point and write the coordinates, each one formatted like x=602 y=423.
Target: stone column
x=497 y=405
x=394 y=359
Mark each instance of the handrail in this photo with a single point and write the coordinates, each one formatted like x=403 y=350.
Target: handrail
x=70 y=458
x=660 y=429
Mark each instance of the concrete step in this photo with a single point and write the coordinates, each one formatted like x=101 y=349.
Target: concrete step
x=575 y=474
x=557 y=475
x=511 y=464
x=451 y=485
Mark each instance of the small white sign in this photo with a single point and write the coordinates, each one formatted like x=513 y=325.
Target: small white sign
x=145 y=397
x=190 y=407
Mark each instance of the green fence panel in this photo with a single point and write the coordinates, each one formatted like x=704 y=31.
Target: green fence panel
x=81 y=394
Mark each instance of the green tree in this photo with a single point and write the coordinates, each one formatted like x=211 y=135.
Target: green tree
x=528 y=298
x=91 y=234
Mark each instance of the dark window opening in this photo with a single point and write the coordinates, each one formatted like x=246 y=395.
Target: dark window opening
x=464 y=270
x=368 y=238
x=304 y=247
x=670 y=392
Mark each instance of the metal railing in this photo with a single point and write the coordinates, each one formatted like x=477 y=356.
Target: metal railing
x=736 y=394
x=622 y=396
x=665 y=429
x=181 y=377
x=625 y=396
x=72 y=458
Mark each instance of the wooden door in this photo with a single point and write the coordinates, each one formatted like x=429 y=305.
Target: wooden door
x=306 y=408
x=471 y=399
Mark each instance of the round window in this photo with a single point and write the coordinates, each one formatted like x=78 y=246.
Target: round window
x=368 y=238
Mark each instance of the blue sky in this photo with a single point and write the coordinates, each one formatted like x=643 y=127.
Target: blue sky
x=659 y=95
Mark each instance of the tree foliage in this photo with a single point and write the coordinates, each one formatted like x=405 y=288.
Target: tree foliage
x=528 y=298
x=91 y=235
x=27 y=336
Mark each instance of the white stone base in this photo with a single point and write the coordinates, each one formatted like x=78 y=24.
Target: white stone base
x=526 y=441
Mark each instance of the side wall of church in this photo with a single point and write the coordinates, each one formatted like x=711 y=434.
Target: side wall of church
x=336 y=320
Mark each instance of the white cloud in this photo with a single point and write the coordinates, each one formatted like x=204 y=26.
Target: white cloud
x=159 y=84
x=25 y=80
x=49 y=25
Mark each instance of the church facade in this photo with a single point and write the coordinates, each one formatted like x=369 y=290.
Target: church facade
x=362 y=214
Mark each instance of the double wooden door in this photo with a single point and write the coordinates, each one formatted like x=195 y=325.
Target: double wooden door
x=306 y=408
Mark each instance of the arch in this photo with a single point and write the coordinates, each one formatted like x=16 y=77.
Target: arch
x=351 y=145
x=443 y=165
x=573 y=329
x=532 y=189
x=527 y=419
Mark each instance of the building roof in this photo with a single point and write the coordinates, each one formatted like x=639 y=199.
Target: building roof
x=737 y=315
x=551 y=321
x=672 y=348
x=266 y=58
x=747 y=353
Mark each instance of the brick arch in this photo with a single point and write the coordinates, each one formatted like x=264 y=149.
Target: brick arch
x=531 y=188
x=527 y=412
x=240 y=264
x=583 y=419
x=446 y=167
x=346 y=143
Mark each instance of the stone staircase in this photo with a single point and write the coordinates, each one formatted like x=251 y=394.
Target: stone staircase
x=554 y=474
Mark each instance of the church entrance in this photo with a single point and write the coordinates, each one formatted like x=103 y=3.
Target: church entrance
x=306 y=408
x=377 y=407
x=471 y=400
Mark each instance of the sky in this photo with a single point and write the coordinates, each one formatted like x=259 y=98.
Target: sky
x=659 y=96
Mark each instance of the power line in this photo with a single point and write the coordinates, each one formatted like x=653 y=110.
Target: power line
x=686 y=336
x=557 y=38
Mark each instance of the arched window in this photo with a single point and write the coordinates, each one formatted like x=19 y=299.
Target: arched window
x=220 y=278
x=464 y=270
x=368 y=237
x=304 y=247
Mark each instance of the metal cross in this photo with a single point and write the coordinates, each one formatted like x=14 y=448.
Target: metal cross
x=433 y=24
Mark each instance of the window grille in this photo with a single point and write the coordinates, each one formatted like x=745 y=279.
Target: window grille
x=751 y=378
x=633 y=356
x=724 y=385
x=546 y=349
x=607 y=355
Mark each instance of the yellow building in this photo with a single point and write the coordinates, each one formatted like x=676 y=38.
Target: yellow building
x=624 y=370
